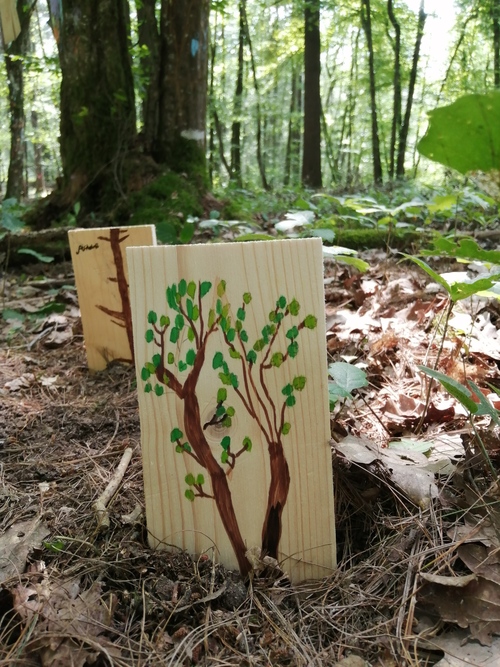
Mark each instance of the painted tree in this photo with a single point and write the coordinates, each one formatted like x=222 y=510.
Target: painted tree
x=244 y=369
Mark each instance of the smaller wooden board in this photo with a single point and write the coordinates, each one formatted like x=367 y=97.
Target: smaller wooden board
x=101 y=278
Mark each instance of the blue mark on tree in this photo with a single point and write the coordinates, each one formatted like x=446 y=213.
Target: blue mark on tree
x=195 y=45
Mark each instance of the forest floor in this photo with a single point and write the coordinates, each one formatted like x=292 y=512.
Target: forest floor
x=417 y=502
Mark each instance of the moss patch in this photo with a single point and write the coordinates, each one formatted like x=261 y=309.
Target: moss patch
x=361 y=239
x=165 y=202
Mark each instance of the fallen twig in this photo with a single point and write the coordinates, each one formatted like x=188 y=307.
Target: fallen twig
x=100 y=505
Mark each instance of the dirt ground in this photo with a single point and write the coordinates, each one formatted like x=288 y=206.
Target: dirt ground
x=76 y=594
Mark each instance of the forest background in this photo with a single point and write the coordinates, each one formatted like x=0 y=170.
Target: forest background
x=102 y=101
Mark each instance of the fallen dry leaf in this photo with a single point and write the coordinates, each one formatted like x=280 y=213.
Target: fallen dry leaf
x=16 y=543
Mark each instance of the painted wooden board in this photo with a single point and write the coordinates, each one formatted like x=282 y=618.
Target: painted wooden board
x=9 y=20
x=232 y=385
x=101 y=278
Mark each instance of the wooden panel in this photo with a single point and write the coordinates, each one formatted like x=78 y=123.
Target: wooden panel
x=9 y=20
x=232 y=385
x=101 y=278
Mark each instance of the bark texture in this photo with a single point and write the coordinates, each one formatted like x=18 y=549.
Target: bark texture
x=184 y=43
x=311 y=156
x=97 y=96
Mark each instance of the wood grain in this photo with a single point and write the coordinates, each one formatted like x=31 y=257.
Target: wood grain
x=276 y=495
x=101 y=278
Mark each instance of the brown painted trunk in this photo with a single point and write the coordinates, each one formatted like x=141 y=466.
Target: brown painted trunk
x=220 y=487
x=278 y=494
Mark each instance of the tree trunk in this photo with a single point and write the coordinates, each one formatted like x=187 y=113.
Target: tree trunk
x=149 y=39
x=292 y=155
x=366 y=22
x=97 y=98
x=38 y=155
x=403 y=136
x=311 y=155
x=14 y=64
x=396 y=112
x=237 y=107
x=260 y=158
x=495 y=15
x=184 y=42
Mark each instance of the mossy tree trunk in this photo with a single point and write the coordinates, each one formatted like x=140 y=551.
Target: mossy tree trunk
x=97 y=98
x=184 y=42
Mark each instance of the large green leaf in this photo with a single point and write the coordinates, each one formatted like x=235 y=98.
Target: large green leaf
x=466 y=134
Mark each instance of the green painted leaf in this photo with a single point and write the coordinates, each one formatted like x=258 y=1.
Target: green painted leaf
x=231 y=334
x=234 y=381
x=156 y=360
x=225 y=311
x=347 y=376
x=145 y=373
x=281 y=302
x=247 y=444
x=175 y=434
x=221 y=395
x=196 y=313
x=191 y=289
x=171 y=297
x=174 y=335
x=182 y=287
x=170 y=358
x=251 y=357
x=277 y=359
x=293 y=350
x=200 y=480
x=299 y=382
x=225 y=378
x=259 y=345
x=234 y=354
x=205 y=288
x=221 y=288
x=285 y=429
x=182 y=366
x=224 y=457
x=247 y=297
x=218 y=360
x=211 y=318
x=294 y=307
x=290 y=401
x=149 y=336
x=465 y=135
x=292 y=333
x=187 y=447
x=244 y=336
x=159 y=389
x=220 y=411
x=179 y=321
x=231 y=411
x=287 y=390
x=454 y=388
x=190 y=357
x=189 y=308
x=190 y=335
x=241 y=314
x=148 y=388
x=227 y=421
x=189 y=493
x=218 y=307
x=272 y=316
x=150 y=367
x=152 y=317
x=179 y=449
x=164 y=321
x=311 y=322
x=189 y=479
x=225 y=443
